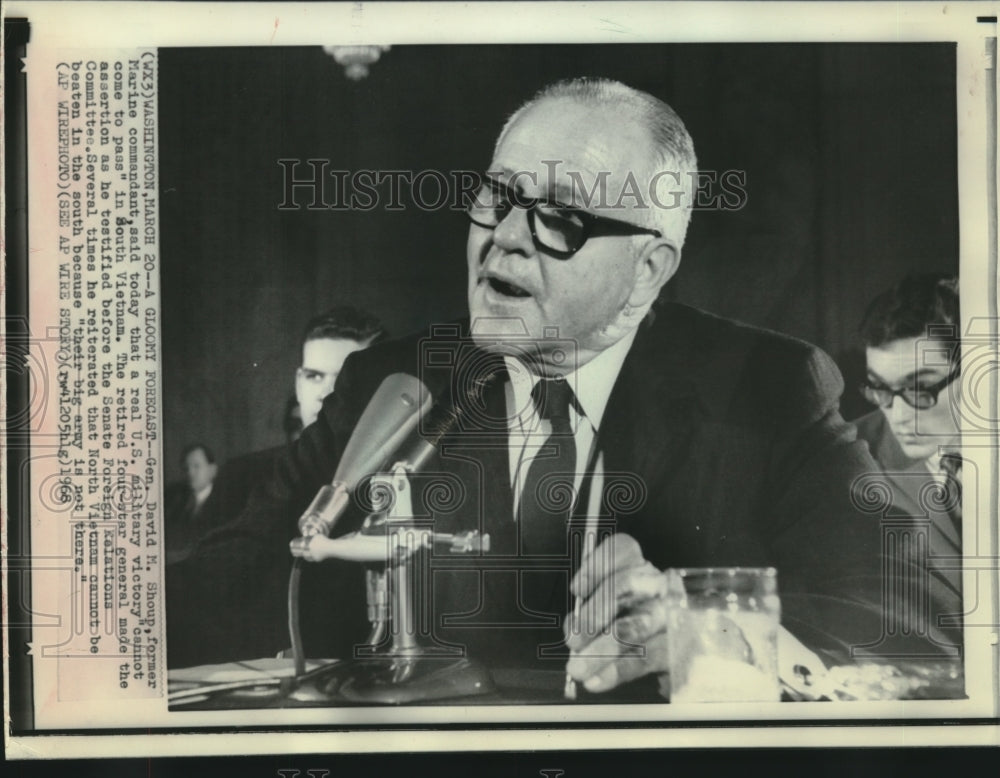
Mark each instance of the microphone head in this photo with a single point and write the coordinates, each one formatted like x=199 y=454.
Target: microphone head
x=392 y=414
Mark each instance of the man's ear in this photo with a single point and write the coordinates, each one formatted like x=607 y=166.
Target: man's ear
x=657 y=264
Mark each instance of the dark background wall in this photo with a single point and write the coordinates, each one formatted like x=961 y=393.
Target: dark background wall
x=849 y=152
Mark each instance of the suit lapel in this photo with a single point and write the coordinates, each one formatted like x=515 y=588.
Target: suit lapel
x=917 y=481
x=913 y=483
x=913 y=479
x=481 y=445
x=649 y=418
x=498 y=502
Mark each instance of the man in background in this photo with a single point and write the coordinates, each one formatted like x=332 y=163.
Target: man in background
x=259 y=609
x=326 y=342
x=912 y=352
x=190 y=511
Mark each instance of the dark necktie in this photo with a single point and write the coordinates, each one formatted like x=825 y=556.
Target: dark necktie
x=951 y=467
x=547 y=496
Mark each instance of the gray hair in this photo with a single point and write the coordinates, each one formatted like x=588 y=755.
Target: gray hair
x=673 y=149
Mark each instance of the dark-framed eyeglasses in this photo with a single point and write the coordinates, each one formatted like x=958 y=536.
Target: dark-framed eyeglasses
x=919 y=397
x=559 y=230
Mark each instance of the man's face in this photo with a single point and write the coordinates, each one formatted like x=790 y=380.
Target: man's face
x=515 y=286
x=322 y=360
x=200 y=472
x=916 y=362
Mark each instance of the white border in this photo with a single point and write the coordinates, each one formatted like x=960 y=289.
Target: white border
x=107 y=25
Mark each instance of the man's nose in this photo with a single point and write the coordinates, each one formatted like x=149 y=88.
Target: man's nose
x=898 y=410
x=513 y=233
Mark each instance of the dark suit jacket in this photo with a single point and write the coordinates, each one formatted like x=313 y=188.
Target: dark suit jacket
x=183 y=525
x=934 y=549
x=220 y=624
x=239 y=476
x=729 y=434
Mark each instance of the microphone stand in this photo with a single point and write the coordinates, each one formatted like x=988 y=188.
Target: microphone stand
x=402 y=661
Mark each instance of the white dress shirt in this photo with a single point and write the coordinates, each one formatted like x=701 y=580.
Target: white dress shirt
x=200 y=496
x=591 y=384
x=933 y=464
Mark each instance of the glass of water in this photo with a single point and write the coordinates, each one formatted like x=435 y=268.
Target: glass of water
x=722 y=632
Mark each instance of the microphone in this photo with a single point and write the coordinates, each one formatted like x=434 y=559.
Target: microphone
x=445 y=417
x=384 y=429
x=388 y=420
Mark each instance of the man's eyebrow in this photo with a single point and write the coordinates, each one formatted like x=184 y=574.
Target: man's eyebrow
x=905 y=380
x=922 y=373
x=559 y=193
x=501 y=175
x=873 y=376
x=563 y=193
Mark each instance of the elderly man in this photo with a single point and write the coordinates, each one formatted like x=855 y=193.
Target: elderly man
x=692 y=440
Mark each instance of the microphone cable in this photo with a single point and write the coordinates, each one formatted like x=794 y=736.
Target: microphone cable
x=294 y=621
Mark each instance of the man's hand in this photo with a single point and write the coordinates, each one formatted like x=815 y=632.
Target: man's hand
x=618 y=631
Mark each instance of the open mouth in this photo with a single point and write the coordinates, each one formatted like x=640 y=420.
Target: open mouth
x=507 y=289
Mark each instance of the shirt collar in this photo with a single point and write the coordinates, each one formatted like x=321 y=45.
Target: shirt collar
x=934 y=461
x=592 y=383
x=202 y=494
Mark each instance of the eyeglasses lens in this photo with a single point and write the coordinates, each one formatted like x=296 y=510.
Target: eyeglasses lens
x=554 y=228
x=558 y=229
x=883 y=398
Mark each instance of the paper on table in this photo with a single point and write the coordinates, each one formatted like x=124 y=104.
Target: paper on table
x=252 y=669
x=801 y=672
